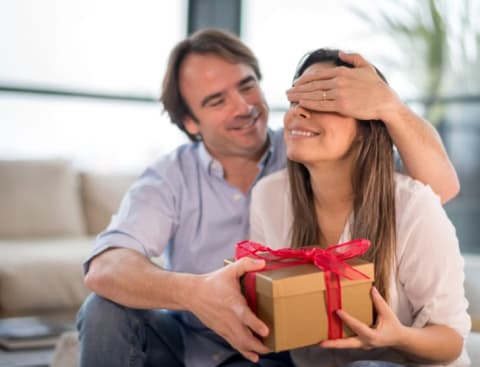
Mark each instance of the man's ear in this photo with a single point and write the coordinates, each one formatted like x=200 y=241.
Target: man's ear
x=191 y=125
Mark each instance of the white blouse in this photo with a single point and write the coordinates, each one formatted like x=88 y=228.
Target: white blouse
x=427 y=286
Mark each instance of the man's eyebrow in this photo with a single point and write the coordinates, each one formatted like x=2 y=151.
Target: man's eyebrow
x=246 y=80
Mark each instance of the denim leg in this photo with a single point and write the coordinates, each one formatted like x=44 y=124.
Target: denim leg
x=267 y=360
x=373 y=364
x=114 y=335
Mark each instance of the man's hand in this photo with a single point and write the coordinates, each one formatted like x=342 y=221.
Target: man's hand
x=218 y=302
x=357 y=92
x=387 y=332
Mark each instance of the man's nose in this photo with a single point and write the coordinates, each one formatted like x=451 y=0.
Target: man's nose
x=240 y=105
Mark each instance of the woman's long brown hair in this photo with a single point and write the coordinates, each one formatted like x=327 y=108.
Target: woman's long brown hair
x=372 y=184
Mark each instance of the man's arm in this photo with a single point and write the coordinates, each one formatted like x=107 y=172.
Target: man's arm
x=359 y=92
x=129 y=278
x=422 y=151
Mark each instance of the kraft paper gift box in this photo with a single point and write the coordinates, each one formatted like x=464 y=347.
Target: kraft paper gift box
x=292 y=301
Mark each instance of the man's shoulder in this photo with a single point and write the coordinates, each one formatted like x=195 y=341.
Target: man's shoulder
x=181 y=158
x=276 y=137
x=277 y=134
x=170 y=169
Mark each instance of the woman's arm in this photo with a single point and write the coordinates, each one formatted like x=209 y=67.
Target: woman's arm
x=427 y=288
x=429 y=344
x=433 y=343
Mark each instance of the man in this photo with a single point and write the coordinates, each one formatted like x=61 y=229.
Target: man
x=193 y=206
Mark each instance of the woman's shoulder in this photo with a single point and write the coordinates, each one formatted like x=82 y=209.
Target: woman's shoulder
x=409 y=191
x=271 y=191
x=277 y=180
x=420 y=218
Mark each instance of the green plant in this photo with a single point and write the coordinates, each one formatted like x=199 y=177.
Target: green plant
x=424 y=33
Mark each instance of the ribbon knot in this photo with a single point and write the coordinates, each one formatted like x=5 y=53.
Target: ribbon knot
x=311 y=254
x=331 y=260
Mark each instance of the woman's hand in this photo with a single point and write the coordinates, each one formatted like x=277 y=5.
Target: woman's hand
x=387 y=331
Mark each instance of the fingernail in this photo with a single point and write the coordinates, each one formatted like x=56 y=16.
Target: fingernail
x=375 y=290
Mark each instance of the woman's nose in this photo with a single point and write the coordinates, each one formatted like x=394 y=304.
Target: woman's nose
x=301 y=111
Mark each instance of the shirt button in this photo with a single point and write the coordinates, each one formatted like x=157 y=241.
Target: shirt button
x=237 y=197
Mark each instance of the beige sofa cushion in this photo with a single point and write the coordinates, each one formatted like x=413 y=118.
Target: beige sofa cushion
x=39 y=198
x=472 y=288
x=101 y=196
x=42 y=274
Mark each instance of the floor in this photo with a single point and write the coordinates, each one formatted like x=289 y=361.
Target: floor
x=30 y=358
x=36 y=357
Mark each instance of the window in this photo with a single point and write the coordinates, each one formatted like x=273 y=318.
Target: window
x=116 y=48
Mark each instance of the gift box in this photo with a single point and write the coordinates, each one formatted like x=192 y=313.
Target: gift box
x=293 y=301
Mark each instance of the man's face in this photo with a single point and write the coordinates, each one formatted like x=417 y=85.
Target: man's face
x=228 y=104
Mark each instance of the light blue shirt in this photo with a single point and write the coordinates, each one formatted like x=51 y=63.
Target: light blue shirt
x=183 y=207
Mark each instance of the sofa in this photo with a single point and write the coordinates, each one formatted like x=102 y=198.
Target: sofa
x=49 y=215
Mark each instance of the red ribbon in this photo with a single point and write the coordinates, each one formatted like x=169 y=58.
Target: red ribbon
x=331 y=260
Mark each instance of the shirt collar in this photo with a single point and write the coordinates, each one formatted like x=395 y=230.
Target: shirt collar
x=270 y=150
x=214 y=167
x=207 y=161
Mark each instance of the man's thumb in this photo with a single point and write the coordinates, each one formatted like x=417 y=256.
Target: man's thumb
x=247 y=264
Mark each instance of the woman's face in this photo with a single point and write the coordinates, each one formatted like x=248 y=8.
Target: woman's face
x=314 y=137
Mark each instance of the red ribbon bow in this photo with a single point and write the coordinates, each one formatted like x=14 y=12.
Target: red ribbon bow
x=331 y=260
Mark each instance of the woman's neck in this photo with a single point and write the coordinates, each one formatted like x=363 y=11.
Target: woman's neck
x=333 y=196
x=331 y=184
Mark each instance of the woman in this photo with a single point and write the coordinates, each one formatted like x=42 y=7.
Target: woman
x=340 y=184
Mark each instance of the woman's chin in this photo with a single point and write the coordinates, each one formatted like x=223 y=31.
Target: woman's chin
x=297 y=159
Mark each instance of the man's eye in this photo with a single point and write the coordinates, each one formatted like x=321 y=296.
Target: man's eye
x=247 y=87
x=216 y=102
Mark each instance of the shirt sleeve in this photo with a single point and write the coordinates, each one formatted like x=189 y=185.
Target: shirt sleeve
x=430 y=267
x=146 y=218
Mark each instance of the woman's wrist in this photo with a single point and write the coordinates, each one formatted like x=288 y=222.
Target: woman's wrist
x=403 y=337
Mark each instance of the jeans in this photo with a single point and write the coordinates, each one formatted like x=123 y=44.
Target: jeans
x=372 y=364
x=113 y=335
